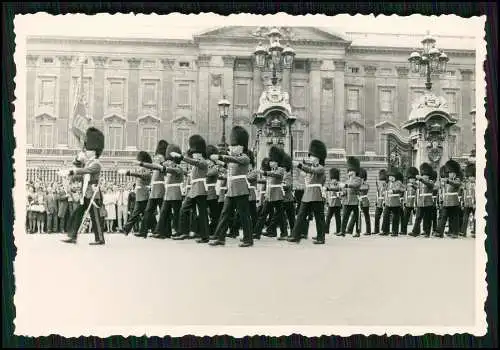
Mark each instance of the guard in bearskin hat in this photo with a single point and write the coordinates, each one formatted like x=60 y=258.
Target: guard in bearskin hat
x=288 y=199
x=334 y=193
x=196 y=196
x=424 y=201
x=381 y=184
x=91 y=202
x=350 y=196
x=143 y=179
x=469 y=200
x=212 y=197
x=274 y=196
x=451 y=201
x=409 y=198
x=364 y=202
x=157 y=189
x=172 y=198
x=312 y=200
x=238 y=192
x=395 y=190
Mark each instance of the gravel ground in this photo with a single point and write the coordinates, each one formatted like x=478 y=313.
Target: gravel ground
x=365 y=281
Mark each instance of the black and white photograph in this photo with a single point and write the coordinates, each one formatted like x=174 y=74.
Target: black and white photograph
x=247 y=174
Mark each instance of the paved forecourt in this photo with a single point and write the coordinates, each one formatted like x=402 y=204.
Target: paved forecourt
x=371 y=280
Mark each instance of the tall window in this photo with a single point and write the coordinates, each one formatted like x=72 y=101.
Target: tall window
x=149 y=94
x=353 y=99
x=182 y=136
x=382 y=146
x=386 y=100
x=149 y=138
x=451 y=98
x=183 y=95
x=115 y=93
x=46 y=136
x=47 y=91
x=115 y=138
x=353 y=143
x=298 y=140
x=241 y=95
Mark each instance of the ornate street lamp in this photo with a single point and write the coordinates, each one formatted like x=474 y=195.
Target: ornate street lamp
x=223 y=113
x=276 y=57
x=430 y=60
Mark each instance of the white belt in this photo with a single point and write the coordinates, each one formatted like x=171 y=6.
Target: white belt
x=425 y=194
x=211 y=185
x=451 y=194
x=410 y=196
x=365 y=196
x=314 y=185
x=223 y=188
x=157 y=183
x=394 y=195
x=274 y=186
x=469 y=197
x=236 y=177
x=138 y=187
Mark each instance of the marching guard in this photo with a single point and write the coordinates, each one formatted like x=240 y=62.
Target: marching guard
x=364 y=202
x=409 y=198
x=212 y=198
x=334 y=201
x=350 y=194
x=288 y=199
x=392 y=209
x=312 y=200
x=88 y=212
x=424 y=201
x=450 y=203
x=238 y=192
x=469 y=199
x=381 y=185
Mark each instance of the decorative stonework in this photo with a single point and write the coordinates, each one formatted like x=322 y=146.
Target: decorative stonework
x=315 y=64
x=216 y=80
x=370 y=70
x=65 y=60
x=273 y=97
x=339 y=65
x=168 y=63
x=134 y=62
x=229 y=61
x=99 y=61
x=286 y=32
x=31 y=60
x=204 y=60
x=327 y=84
x=402 y=71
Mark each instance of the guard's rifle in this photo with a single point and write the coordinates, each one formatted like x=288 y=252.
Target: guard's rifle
x=85 y=224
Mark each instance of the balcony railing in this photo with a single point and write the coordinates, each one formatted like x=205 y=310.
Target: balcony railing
x=58 y=152
x=299 y=155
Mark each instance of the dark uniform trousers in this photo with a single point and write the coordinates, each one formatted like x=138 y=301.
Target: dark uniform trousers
x=346 y=218
x=278 y=219
x=149 y=218
x=302 y=223
x=450 y=214
x=241 y=205
x=386 y=220
x=378 y=216
x=289 y=208
x=95 y=217
x=331 y=212
x=465 y=220
x=236 y=224
x=136 y=215
x=366 y=214
x=169 y=217
x=434 y=218
x=424 y=214
x=214 y=212
x=405 y=219
x=188 y=210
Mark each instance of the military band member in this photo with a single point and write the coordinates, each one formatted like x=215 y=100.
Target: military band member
x=274 y=195
x=364 y=202
x=380 y=198
x=212 y=198
x=312 y=200
x=238 y=165
x=469 y=199
x=143 y=178
x=394 y=191
x=334 y=201
x=424 y=200
x=350 y=197
x=288 y=199
x=172 y=199
x=157 y=190
x=451 y=201
x=90 y=170
x=196 y=197
x=409 y=198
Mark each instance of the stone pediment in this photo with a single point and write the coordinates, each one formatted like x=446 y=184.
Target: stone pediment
x=289 y=33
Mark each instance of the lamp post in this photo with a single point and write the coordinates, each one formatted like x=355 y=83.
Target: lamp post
x=223 y=113
x=275 y=57
x=430 y=60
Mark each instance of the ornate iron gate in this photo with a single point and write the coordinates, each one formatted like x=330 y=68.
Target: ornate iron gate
x=399 y=153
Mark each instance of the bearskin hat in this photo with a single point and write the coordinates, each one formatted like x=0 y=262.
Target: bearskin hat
x=411 y=172
x=426 y=169
x=144 y=157
x=470 y=170
x=161 y=148
x=211 y=149
x=382 y=175
x=393 y=171
x=399 y=176
x=197 y=144
x=287 y=162
x=264 y=164
x=276 y=155
x=353 y=165
x=334 y=174
x=173 y=148
x=453 y=167
x=239 y=137
x=363 y=174
x=318 y=149
x=434 y=175
x=94 y=141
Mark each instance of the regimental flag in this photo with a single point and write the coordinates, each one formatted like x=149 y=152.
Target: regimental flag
x=81 y=119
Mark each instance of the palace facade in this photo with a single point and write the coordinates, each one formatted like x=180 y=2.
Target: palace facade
x=348 y=90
